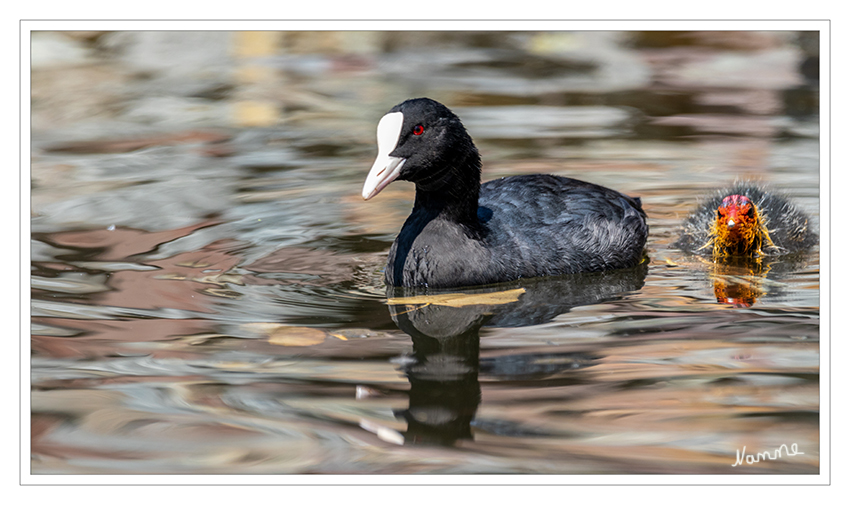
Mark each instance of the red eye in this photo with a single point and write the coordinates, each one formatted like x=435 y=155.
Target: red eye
x=418 y=129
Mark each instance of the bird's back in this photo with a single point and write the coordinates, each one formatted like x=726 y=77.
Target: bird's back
x=550 y=225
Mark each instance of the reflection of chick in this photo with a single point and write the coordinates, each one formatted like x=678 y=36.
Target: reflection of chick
x=738 y=285
x=738 y=294
x=746 y=221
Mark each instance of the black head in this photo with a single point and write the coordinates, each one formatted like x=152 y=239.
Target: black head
x=422 y=141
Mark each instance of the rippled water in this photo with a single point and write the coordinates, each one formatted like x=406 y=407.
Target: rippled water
x=207 y=292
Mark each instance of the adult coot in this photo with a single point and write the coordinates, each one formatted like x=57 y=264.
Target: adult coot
x=463 y=233
x=746 y=221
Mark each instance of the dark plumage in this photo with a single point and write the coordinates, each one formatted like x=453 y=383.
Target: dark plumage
x=777 y=227
x=463 y=233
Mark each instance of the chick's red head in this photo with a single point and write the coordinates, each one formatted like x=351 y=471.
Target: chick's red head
x=736 y=224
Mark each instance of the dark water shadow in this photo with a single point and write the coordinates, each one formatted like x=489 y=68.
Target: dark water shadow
x=445 y=327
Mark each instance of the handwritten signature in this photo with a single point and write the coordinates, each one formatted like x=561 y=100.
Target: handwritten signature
x=742 y=456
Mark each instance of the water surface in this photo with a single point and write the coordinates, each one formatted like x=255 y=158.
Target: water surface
x=207 y=292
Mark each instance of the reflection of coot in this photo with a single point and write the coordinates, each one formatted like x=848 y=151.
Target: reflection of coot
x=443 y=371
x=740 y=281
x=539 y=302
x=746 y=220
x=462 y=233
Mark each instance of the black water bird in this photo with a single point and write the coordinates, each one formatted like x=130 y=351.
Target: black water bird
x=464 y=233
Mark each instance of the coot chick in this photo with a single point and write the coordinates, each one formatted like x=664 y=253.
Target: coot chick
x=463 y=233
x=746 y=221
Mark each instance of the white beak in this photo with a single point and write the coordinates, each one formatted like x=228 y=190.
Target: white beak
x=386 y=168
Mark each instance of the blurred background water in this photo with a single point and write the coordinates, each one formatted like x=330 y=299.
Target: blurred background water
x=207 y=291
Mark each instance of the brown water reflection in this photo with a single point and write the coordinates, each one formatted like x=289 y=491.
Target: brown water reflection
x=207 y=292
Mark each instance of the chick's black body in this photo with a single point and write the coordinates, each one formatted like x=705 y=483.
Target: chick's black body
x=462 y=233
